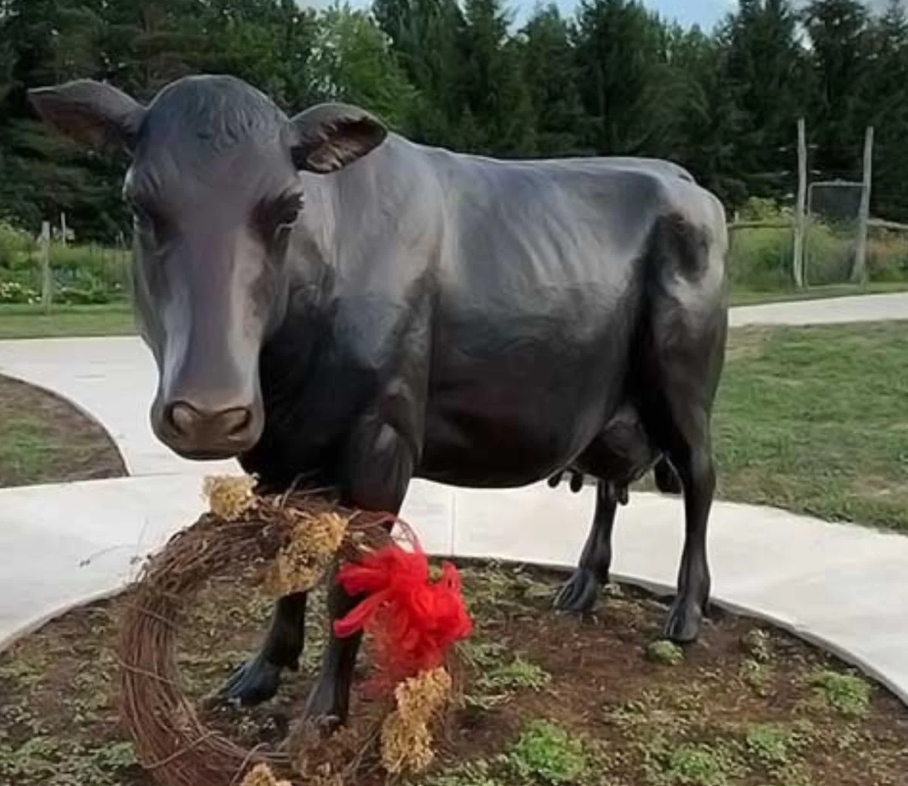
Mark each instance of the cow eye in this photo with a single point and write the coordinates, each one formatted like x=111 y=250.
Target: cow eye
x=278 y=216
x=289 y=212
x=145 y=218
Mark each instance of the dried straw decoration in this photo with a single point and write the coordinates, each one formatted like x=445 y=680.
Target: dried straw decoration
x=291 y=540
x=406 y=743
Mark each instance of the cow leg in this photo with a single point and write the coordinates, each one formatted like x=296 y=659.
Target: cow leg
x=379 y=467
x=681 y=363
x=681 y=422
x=259 y=678
x=619 y=455
x=580 y=592
x=698 y=476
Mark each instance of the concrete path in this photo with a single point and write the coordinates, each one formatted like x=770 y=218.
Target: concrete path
x=840 y=586
x=828 y=311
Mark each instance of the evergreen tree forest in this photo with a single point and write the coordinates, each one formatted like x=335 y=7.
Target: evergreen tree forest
x=613 y=78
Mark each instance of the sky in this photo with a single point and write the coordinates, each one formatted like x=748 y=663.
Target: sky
x=705 y=13
x=688 y=12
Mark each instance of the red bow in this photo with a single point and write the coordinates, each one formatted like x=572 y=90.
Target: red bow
x=413 y=622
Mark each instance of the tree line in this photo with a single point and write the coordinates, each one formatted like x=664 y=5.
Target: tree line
x=613 y=78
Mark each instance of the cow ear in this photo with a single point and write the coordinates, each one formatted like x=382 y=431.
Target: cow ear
x=327 y=137
x=92 y=113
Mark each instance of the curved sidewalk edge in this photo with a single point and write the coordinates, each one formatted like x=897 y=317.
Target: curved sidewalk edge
x=112 y=380
x=839 y=586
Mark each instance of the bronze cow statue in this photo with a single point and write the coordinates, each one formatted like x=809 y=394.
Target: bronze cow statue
x=325 y=298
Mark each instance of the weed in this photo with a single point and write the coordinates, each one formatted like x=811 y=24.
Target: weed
x=690 y=764
x=63 y=762
x=476 y=773
x=115 y=756
x=773 y=745
x=848 y=694
x=482 y=654
x=664 y=651
x=548 y=754
x=23 y=674
x=756 y=675
x=496 y=679
x=495 y=587
x=758 y=645
x=513 y=676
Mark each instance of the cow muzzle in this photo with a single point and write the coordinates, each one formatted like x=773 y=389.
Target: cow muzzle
x=197 y=432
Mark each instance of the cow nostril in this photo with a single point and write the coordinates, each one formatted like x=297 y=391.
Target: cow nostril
x=182 y=417
x=236 y=421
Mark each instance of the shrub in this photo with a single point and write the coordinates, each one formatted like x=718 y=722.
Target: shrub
x=762 y=258
x=15 y=244
x=82 y=297
x=89 y=267
x=887 y=255
x=763 y=209
x=14 y=292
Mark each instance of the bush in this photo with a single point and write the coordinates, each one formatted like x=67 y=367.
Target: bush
x=89 y=268
x=82 y=297
x=14 y=292
x=14 y=244
x=887 y=255
x=828 y=254
x=762 y=258
x=762 y=209
x=82 y=274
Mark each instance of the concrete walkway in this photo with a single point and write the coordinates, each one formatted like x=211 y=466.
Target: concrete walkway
x=840 y=586
x=827 y=311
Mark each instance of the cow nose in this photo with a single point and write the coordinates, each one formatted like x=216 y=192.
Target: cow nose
x=195 y=425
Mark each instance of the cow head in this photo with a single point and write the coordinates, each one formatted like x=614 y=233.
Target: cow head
x=214 y=188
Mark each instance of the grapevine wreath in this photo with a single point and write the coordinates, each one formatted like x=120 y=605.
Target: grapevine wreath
x=291 y=540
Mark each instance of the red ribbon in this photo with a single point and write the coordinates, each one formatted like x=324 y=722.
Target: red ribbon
x=413 y=622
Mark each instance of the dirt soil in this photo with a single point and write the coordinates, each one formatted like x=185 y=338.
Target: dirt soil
x=45 y=439
x=549 y=700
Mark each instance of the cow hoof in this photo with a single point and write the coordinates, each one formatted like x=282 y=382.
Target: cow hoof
x=684 y=622
x=322 y=710
x=254 y=682
x=579 y=593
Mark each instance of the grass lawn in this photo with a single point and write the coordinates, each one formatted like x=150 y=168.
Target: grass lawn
x=44 y=439
x=815 y=420
x=748 y=297
x=31 y=322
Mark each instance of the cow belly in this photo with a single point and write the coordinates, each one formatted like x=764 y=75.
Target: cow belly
x=515 y=398
x=505 y=435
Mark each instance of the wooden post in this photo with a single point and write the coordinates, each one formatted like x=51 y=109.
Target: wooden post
x=799 y=227
x=47 y=278
x=63 y=229
x=859 y=271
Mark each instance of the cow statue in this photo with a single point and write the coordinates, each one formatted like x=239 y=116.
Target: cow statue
x=325 y=298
